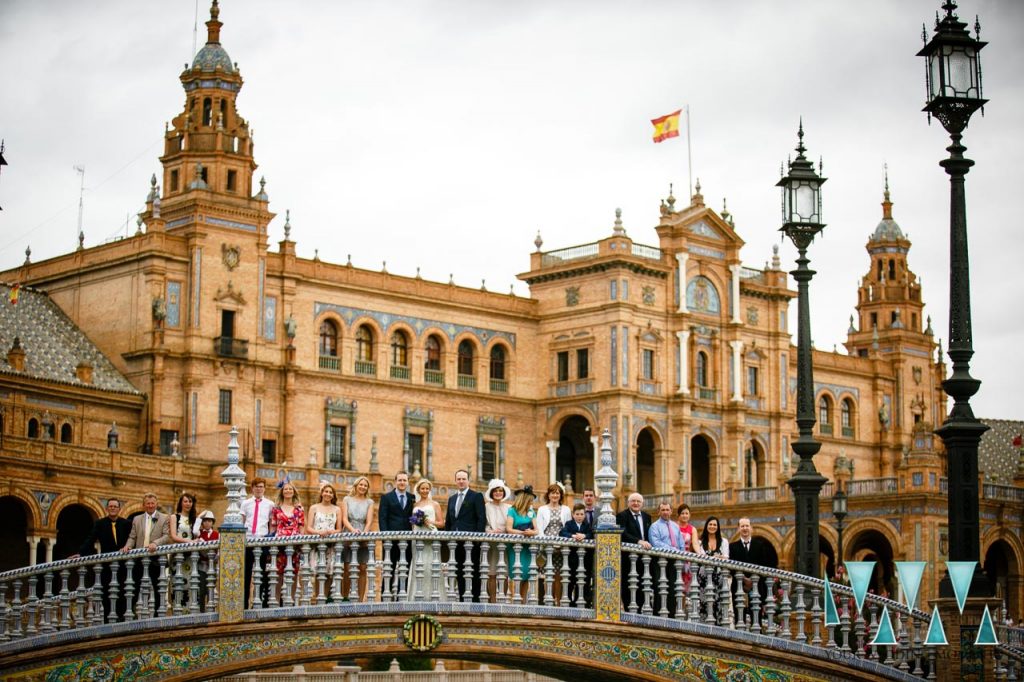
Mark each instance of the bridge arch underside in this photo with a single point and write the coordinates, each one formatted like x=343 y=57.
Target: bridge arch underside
x=195 y=648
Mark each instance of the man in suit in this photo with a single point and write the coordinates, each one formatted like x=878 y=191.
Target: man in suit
x=591 y=511
x=665 y=534
x=395 y=510
x=636 y=527
x=466 y=514
x=149 y=530
x=750 y=550
x=112 y=533
x=579 y=529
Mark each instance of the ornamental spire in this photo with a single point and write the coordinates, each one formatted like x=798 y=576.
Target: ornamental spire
x=886 y=202
x=214 y=24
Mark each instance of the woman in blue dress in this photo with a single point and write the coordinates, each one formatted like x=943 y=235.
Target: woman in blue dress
x=521 y=521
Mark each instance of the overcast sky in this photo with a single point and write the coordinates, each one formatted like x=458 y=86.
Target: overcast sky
x=444 y=135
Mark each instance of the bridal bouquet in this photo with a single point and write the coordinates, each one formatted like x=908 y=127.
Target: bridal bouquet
x=418 y=518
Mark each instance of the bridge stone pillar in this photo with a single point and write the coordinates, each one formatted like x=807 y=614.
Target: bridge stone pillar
x=607 y=540
x=231 y=559
x=961 y=660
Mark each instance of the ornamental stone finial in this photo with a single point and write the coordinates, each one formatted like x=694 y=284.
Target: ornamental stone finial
x=287 y=220
x=538 y=242
x=618 y=230
x=605 y=481
x=374 y=464
x=234 y=481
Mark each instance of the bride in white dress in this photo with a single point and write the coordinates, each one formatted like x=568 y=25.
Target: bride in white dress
x=425 y=554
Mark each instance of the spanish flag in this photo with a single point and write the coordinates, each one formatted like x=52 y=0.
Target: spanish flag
x=667 y=126
x=13 y=295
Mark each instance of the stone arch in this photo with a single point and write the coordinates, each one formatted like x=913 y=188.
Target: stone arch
x=14 y=533
x=755 y=462
x=34 y=515
x=648 y=442
x=1002 y=555
x=509 y=359
x=96 y=510
x=703 y=447
x=339 y=330
x=575 y=453
x=703 y=294
x=410 y=339
x=875 y=539
x=462 y=364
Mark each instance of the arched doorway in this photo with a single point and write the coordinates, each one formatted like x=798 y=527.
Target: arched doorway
x=754 y=466
x=73 y=525
x=13 y=534
x=700 y=463
x=871 y=545
x=827 y=553
x=771 y=557
x=575 y=455
x=1001 y=567
x=645 y=482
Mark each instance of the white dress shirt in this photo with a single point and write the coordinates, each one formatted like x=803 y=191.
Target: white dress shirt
x=262 y=519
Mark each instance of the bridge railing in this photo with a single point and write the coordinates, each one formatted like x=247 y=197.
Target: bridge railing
x=347 y=571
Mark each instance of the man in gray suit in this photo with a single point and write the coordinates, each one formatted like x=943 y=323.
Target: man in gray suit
x=149 y=531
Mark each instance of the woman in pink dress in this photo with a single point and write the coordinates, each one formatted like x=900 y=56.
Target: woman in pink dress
x=691 y=540
x=287 y=518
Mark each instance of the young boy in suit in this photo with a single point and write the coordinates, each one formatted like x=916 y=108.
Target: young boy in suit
x=579 y=529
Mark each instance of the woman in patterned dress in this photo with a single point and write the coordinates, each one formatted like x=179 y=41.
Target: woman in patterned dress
x=287 y=518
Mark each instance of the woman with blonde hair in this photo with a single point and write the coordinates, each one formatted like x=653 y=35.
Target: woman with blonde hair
x=324 y=517
x=357 y=516
x=287 y=518
x=521 y=520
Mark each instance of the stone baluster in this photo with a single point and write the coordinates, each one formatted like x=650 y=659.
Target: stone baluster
x=289 y=595
x=844 y=624
x=647 y=584
x=739 y=598
x=132 y=610
x=785 y=609
x=709 y=594
x=663 y=593
x=418 y=558
x=816 y=616
x=275 y=575
x=872 y=629
x=353 y=571
x=403 y=569
x=679 y=591
x=469 y=570
x=564 y=575
x=94 y=606
x=176 y=580
x=725 y=598
x=501 y=580
x=549 y=576
x=64 y=599
x=193 y=582
x=581 y=578
x=335 y=569
x=903 y=653
x=258 y=576
x=79 y=609
x=231 y=587
x=5 y=612
x=633 y=583
x=451 y=583
x=17 y=608
x=31 y=605
x=693 y=611
x=211 y=579
x=859 y=629
x=516 y=571
x=770 y=626
x=531 y=595
x=304 y=588
x=371 y=571
x=755 y=604
x=800 y=613
x=48 y=613
x=387 y=572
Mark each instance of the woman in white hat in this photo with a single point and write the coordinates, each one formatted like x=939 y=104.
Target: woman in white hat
x=496 y=507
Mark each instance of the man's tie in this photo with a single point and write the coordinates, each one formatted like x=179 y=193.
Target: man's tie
x=401 y=500
x=746 y=546
x=639 y=524
x=113 y=530
x=590 y=517
x=458 y=502
x=149 y=527
x=671 y=538
x=255 y=515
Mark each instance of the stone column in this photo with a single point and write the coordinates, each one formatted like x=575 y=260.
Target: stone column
x=684 y=362
x=737 y=393
x=608 y=541
x=552 y=452
x=33 y=545
x=682 y=257
x=231 y=558
x=735 y=269
x=49 y=549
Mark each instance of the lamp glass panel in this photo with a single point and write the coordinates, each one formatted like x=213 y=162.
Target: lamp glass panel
x=958 y=72
x=806 y=202
x=934 y=76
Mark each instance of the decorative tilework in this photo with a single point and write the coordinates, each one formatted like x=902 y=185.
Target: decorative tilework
x=607 y=574
x=650 y=407
x=270 y=318
x=703 y=251
x=231 y=581
x=45 y=499
x=230 y=223
x=173 y=304
x=702 y=296
x=385 y=320
x=705 y=230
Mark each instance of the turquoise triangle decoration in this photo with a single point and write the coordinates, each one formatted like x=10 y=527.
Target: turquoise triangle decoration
x=884 y=634
x=986 y=631
x=910 y=573
x=936 y=633
x=831 y=615
x=960 y=574
x=860 y=577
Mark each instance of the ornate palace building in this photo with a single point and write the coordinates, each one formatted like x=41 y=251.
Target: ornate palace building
x=198 y=323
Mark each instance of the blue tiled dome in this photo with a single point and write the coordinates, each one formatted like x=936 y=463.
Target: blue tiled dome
x=211 y=56
x=888 y=230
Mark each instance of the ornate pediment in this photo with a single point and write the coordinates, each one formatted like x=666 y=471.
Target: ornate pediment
x=229 y=293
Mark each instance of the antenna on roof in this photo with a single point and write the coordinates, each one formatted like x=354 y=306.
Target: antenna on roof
x=81 y=204
x=195 y=30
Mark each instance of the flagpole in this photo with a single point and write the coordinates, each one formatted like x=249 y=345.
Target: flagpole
x=689 y=157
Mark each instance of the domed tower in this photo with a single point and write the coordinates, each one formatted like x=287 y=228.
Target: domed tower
x=208 y=148
x=889 y=296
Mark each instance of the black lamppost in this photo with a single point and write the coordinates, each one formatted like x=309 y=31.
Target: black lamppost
x=801 y=222
x=953 y=80
x=839 y=512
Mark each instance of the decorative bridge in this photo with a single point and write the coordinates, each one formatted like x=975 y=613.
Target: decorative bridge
x=601 y=608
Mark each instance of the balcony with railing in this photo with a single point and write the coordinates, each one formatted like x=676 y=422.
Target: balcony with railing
x=872 y=486
x=366 y=368
x=848 y=432
x=433 y=376
x=466 y=382
x=648 y=252
x=499 y=386
x=825 y=429
x=400 y=373
x=569 y=254
x=710 y=394
x=762 y=494
x=1002 y=493
x=230 y=347
x=330 y=362
x=704 y=498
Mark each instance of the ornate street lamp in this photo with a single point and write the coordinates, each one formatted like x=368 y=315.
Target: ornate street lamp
x=839 y=512
x=801 y=222
x=953 y=86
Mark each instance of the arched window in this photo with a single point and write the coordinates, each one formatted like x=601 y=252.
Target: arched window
x=364 y=344
x=846 y=417
x=224 y=112
x=433 y=348
x=328 y=339
x=892 y=270
x=702 y=369
x=399 y=349
x=498 y=363
x=825 y=415
x=465 y=365
x=33 y=428
x=207 y=111
x=65 y=433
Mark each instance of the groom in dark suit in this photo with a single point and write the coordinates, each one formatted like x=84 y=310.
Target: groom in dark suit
x=466 y=514
x=395 y=510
